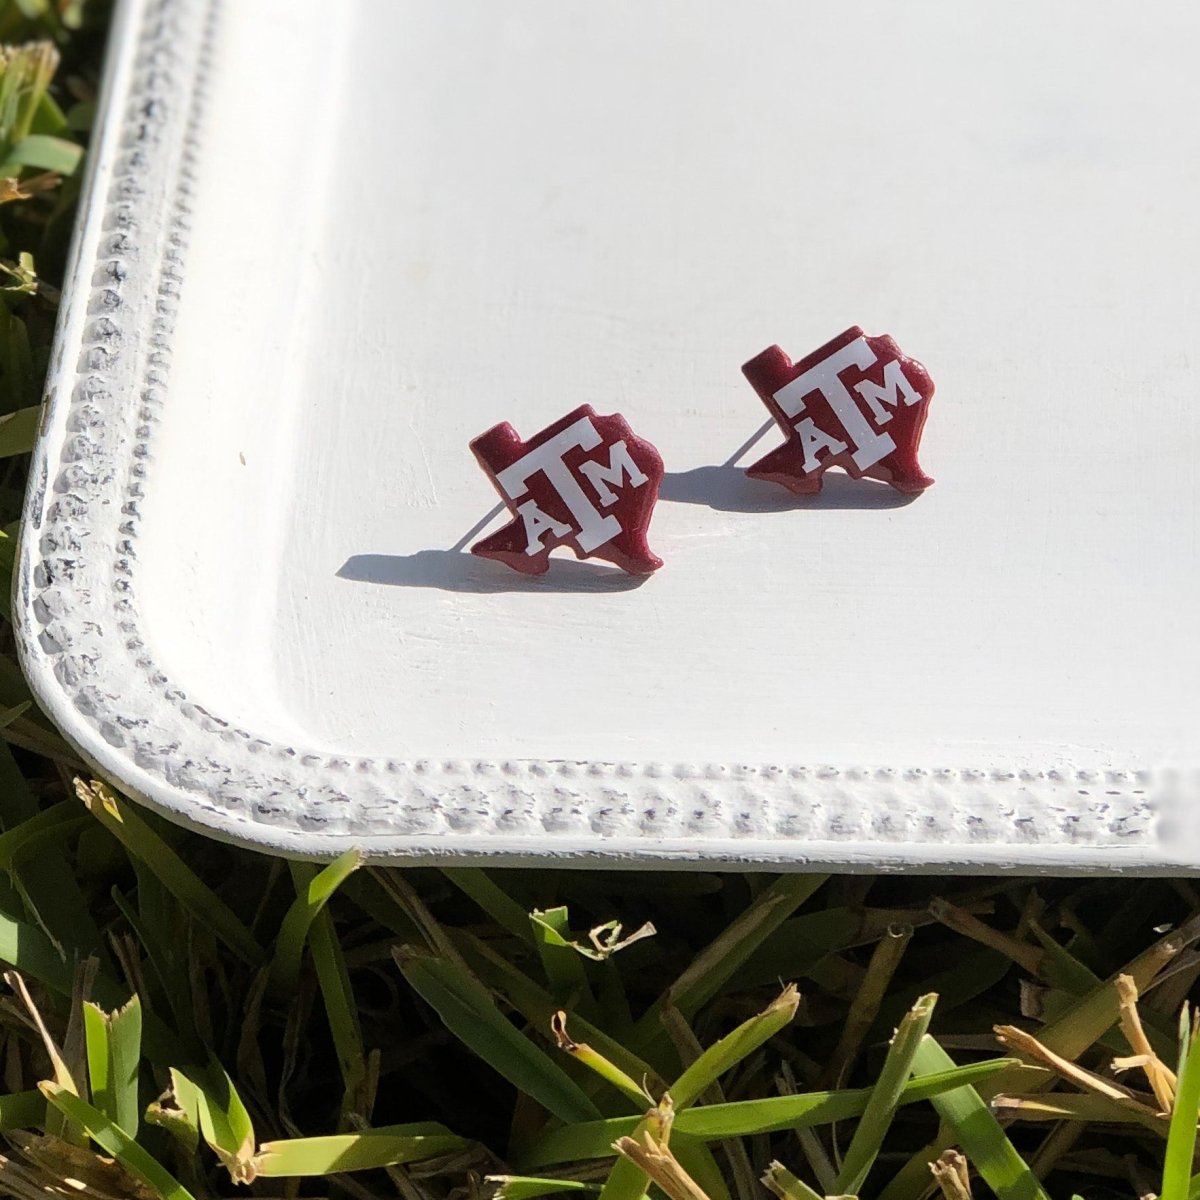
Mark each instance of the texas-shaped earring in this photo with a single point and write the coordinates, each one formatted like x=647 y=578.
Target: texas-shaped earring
x=585 y=482
x=857 y=403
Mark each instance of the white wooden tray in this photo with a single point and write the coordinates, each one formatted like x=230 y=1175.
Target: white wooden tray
x=325 y=245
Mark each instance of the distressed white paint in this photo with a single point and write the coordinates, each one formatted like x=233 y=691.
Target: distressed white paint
x=559 y=203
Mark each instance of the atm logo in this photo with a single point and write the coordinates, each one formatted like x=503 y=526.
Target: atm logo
x=856 y=403
x=586 y=482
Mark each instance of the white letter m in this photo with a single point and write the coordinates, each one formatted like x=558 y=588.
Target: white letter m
x=620 y=466
x=895 y=385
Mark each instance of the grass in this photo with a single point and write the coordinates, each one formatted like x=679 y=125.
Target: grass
x=183 y=1019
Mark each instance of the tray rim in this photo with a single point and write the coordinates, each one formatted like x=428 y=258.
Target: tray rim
x=198 y=769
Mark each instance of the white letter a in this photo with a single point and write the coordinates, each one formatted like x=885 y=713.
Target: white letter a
x=538 y=524
x=814 y=439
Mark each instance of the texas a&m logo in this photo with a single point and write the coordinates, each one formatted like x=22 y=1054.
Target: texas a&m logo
x=586 y=482
x=857 y=403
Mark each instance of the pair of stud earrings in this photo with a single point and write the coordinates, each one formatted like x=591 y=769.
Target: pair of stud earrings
x=590 y=483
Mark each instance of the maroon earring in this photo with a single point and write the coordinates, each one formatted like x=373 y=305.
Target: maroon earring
x=586 y=482
x=856 y=403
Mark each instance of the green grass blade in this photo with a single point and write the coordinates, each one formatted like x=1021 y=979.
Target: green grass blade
x=182 y=1118
x=562 y=963
x=49 y=118
x=31 y=735
x=363 y=1151
x=125 y=1050
x=28 y=71
x=114 y=1053
x=185 y=885
x=730 y=1050
x=698 y=1161
x=8 y=557
x=313 y=890
x=780 y=1181
x=364 y=889
x=978 y=1132
x=612 y=999
x=538 y=1007
x=626 y=1180
x=9 y=715
x=886 y=1097
x=743 y=1118
x=169 y=968
x=18 y=430
x=341 y=1011
x=224 y=1122
x=798 y=944
x=33 y=954
x=34 y=850
x=1060 y=968
x=716 y=964
x=1181 y=1140
x=530 y=1187
x=99 y=1060
x=43 y=152
x=22 y=1110
x=469 y=1013
x=591 y=1058
x=14 y=690
x=178 y=1112
x=490 y=897
x=115 y=1141
x=972 y=973
x=1072 y=979
x=49 y=826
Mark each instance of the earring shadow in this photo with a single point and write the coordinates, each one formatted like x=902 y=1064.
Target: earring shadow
x=454 y=571
x=727 y=488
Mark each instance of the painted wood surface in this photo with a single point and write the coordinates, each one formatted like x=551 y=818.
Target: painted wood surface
x=243 y=589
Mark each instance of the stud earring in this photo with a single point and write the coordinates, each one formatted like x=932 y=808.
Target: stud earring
x=857 y=403
x=586 y=482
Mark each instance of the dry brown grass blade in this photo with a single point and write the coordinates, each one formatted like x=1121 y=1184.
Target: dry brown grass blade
x=810 y=1144
x=864 y=1008
x=952 y=1175
x=1175 y=984
x=1058 y=1143
x=44 y=1166
x=62 y=1074
x=405 y=895
x=11 y=190
x=1160 y=1077
x=1023 y=954
x=654 y=1157
x=1087 y=1107
x=1028 y=1047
